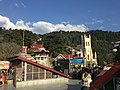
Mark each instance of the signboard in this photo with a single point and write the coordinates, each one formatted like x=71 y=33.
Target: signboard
x=76 y=60
x=4 y=64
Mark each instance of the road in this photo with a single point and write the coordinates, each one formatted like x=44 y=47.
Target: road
x=71 y=85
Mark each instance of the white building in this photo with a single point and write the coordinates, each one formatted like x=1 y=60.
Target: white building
x=38 y=53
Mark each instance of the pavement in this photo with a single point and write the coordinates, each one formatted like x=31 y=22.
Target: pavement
x=71 y=85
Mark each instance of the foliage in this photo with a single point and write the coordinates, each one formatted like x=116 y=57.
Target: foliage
x=30 y=51
x=16 y=36
x=59 y=42
x=8 y=49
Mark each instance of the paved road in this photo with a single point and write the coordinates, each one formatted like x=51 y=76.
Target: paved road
x=71 y=85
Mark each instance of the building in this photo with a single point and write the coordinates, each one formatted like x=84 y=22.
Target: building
x=37 y=53
x=89 y=57
x=66 y=62
x=61 y=63
x=78 y=58
x=28 y=73
x=108 y=79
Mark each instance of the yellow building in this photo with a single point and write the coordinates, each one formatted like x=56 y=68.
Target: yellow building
x=89 y=57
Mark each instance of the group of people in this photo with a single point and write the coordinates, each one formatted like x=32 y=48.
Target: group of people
x=7 y=75
x=86 y=75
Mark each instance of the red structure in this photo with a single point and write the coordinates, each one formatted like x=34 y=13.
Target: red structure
x=29 y=72
x=108 y=79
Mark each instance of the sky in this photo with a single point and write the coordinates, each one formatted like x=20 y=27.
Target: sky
x=44 y=16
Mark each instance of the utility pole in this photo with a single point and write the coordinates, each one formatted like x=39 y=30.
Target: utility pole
x=23 y=37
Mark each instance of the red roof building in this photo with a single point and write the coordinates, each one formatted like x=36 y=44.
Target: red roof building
x=40 y=54
x=27 y=70
x=63 y=62
x=108 y=79
x=37 y=47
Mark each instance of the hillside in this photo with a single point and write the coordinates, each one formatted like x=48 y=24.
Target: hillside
x=57 y=42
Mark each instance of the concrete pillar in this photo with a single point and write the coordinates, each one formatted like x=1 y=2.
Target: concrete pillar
x=45 y=74
x=25 y=72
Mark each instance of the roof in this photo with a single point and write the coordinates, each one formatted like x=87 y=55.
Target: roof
x=42 y=66
x=37 y=45
x=118 y=42
x=37 y=48
x=67 y=56
x=104 y=76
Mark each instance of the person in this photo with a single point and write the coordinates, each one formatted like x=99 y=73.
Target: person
x=3 y=77
x=86 y=77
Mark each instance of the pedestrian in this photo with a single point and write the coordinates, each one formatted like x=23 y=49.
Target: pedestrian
x=86 y=78
x=3 y=77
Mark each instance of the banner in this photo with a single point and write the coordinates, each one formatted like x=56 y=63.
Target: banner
x=4 y=64
x=77 y=60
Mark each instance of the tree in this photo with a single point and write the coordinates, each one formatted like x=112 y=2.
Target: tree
x=8 y=49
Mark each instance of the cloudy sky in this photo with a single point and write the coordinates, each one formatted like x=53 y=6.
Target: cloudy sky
x=44 y=16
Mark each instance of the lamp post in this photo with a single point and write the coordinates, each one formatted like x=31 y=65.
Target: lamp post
x=69 y=66
x=116 y=51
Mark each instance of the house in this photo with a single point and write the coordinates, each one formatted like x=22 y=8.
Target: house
x=66 y=62
x=61 y=63
x=37 y=53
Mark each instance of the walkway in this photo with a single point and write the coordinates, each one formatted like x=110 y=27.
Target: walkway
x=72 y=85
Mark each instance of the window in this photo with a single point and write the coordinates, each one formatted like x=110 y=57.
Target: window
x=88 y=44
x=35 y=75
x=42 y=58
x=29 y=76
x=48 y=74
x=29 y=68
x=41 y=73
x=35 y=69
x=88 y=57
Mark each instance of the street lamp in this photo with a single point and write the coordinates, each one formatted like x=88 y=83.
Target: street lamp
x=116 y=51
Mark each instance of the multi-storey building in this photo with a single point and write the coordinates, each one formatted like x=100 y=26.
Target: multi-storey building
x=38 y=53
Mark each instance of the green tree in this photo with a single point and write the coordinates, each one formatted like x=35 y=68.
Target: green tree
x=8 y=49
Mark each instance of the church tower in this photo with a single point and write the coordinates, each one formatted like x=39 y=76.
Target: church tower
x=89 y=58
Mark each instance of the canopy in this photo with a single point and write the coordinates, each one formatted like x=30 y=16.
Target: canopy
x=76 y=60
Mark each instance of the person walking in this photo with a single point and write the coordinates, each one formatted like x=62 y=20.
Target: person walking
x=3 y=77
x=86 y=77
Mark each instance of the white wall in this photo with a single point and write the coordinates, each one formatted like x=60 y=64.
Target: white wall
x=41 y=82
